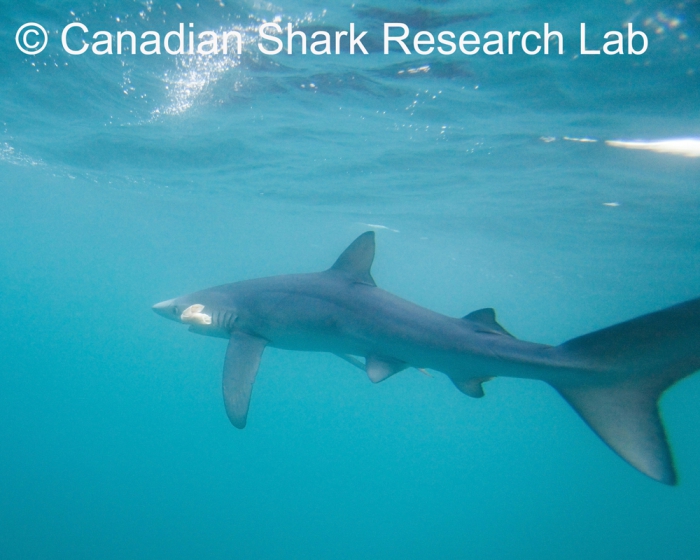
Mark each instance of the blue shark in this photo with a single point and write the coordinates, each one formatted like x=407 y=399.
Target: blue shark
x=613 y=378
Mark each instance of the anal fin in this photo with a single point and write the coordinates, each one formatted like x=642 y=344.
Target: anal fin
x=472 y=387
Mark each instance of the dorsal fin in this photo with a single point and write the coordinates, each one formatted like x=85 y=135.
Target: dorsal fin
x=356 y=260
x=486 y=320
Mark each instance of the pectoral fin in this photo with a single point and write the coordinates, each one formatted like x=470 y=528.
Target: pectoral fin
x=240 y=367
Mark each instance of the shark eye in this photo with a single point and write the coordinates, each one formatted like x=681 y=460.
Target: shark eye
x=174 y=310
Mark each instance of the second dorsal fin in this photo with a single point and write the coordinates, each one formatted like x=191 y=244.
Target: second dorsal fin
x=356 y=260
x=485 y=319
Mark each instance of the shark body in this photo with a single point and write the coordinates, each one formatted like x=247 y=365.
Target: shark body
x=613 y=377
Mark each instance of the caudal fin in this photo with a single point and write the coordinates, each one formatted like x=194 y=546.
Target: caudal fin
x=627 y=368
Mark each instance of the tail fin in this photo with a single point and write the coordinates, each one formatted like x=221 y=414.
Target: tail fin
x=629 y=366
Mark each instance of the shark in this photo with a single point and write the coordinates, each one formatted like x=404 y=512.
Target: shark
x=613 y=378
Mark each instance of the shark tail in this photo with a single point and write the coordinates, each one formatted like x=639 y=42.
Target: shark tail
x=627 y=367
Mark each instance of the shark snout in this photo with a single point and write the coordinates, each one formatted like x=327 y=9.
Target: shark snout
x=192 y=314
x=166 y=309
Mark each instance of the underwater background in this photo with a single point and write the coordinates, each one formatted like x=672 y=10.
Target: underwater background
x=126 y=180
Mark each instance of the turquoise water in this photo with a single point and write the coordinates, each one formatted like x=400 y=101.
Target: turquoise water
x=127 y=181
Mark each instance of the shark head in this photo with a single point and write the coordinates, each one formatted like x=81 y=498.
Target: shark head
x=192 y=314
x=196 y=310
x=180 y=310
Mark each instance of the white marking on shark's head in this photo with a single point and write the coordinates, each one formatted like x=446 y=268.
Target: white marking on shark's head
x=193 y=314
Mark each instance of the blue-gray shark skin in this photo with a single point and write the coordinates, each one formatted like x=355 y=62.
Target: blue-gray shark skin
x=613 y=377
